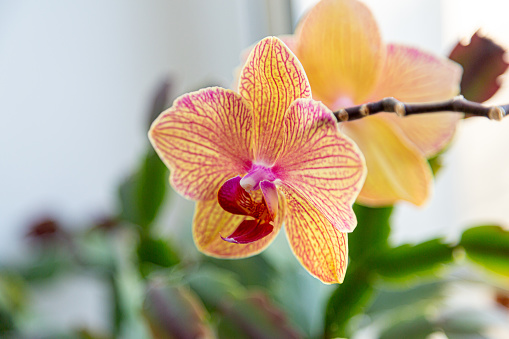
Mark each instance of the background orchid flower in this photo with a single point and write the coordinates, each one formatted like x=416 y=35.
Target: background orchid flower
x=262 y=156
x=339 y=46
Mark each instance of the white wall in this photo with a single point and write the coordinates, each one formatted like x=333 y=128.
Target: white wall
x=76 y=78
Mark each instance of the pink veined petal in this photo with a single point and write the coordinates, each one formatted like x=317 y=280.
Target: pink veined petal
x=288 y=39
x=234 y=199
x=249 y=231
x=270 y=197
x=270 y=81
x=205 y=138
x=319 y=163
x=412 y=75
x=320 y=247
x=211 y=221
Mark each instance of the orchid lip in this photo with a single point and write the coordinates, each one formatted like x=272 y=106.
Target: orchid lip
x=234 y=196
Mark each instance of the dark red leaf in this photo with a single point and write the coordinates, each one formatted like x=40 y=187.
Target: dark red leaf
x=482 y=61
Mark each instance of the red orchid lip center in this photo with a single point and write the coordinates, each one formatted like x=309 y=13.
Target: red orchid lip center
x=234 y=197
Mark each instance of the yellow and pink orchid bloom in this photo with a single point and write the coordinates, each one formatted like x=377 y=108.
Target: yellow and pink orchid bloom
x=264 y=155
x=340 y=48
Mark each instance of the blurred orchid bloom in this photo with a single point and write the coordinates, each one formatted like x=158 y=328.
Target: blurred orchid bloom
x=347 y=64
x=266 y=155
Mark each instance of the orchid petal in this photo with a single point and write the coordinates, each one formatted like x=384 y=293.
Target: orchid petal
x=429 y=132
x=270 y=81
x=412 y=75
x=397 y=170
x=270 y=196
x=249 y=231
x=340 y=47
x=321 y=248
x=204 y=138
x=323 y=166
x=234 y=199
x=211 y=221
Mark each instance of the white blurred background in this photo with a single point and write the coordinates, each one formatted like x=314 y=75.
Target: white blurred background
x=76 y=79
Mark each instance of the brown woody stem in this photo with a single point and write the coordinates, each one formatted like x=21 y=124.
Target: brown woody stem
x=457 y=104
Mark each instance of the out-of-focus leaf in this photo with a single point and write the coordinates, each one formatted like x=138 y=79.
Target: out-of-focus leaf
x=214 y=285
x=435 y=163
x=394 y=299
x=482 y=61
x=13 y=297
x=242 y=313
x=408 y=261
x=160 y=100
x=471 y=323
x=308 y=310
x=13 y=294
x=7 y=325
x=254 y=316
x=48 y=265
x=46 y=229
x=142 y=194
x=253 y=271
x=348 y=299
x=155 y=253
x=418 y=328
x=370 y=236
x=174 y=312
x=488 y=246
x=88 y=334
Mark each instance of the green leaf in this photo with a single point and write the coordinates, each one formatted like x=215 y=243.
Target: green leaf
x=435 y=163
x=154 y=254
x=348 y=300
x=254 y=316
x=48 y=265
x=392 y=300
x=418 y=328
x=488 y=246
x=372 y=232
x=175 y=312
x=253 y=271
x=242 y=312
x=408 y=261
x=213 y=285
x=142 y=194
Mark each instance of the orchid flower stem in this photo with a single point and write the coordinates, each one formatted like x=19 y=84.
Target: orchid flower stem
x=457 y=104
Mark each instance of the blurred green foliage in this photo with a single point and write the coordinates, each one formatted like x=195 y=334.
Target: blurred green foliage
x=161 y=289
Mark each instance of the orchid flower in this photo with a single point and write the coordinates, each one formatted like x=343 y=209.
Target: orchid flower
x=347 y=64
x=262 y=156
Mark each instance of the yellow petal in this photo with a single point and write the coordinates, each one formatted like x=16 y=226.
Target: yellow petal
x=396 y=168
x=204 y=138
x=211 y=222
x=270 y=81
x=429 y=132
x=339 y=45
x=411 y=75
x=319 y=246
x=325 y=167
